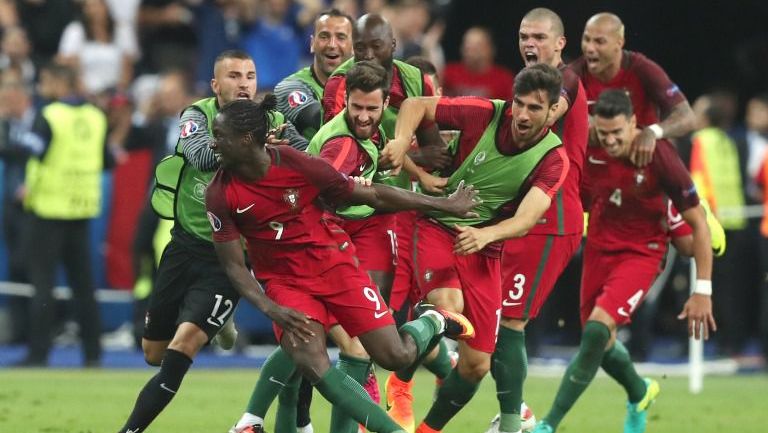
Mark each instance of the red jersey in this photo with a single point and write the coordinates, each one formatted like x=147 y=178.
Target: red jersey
x=495 y=83
x=628 y=205
x=471 y=116
x=344 y=154
x=335 y=93
x=279 y=215
x=564 y=216
x=653 y=94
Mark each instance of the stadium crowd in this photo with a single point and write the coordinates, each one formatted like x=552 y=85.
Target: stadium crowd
x=160 y=93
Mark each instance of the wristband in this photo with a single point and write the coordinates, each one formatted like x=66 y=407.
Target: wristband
x=703 y=287
x=658 y=132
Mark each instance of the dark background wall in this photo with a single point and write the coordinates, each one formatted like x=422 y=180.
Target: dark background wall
x=701 y=44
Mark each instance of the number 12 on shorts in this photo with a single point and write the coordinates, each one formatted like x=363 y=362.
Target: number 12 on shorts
x=217 y=318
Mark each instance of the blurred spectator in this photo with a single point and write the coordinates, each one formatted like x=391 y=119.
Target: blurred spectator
x=716 y=174
x=63 y=182
x=16 y=117
x=409 y=19
x=218 y=23
x=44 y=21
x=103 y=50
x=167 y=35
x=755 y=143
x=477 y=74
x=15 y=55
x=277 y=32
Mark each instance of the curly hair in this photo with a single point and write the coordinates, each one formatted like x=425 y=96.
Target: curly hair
x=246 y=117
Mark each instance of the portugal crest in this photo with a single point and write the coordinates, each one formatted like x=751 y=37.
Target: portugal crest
x=291 y=197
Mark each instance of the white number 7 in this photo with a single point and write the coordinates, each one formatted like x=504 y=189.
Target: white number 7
x=278 y=227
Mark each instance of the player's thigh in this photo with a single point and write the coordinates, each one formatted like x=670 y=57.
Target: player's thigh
x=434 y=264
x=627 y=285
x=530 y=267
x=387 y=349
x=481 y=288
x=174 y=277
x=473 y=364
x=353 y=300
x=311 y=357
x=347 y=345
x=210 y=300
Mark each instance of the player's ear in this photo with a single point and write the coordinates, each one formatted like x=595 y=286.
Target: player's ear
x=386 y=102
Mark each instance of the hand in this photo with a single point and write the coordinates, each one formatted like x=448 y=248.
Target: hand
x=698 y=311
x=360 y=180
x=292 y=322
x=393 y=155
x=462 y=201
x=471 y=240
x=432 y=184
x=641 y=150
x=274 y=134
x=433 y=157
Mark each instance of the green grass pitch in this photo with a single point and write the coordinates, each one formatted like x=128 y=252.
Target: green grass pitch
x=210 y=401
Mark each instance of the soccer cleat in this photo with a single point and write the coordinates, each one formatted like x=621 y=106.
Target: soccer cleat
x=371 y=386
x=227 y=335
x=637 y=412
x=543 y=427
x=527 y=418
x=399 y=401
x=455 y=325
x=716 y=231
x=255 y=428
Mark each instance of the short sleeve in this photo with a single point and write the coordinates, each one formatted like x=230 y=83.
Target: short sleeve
x=659 y=87
x=551 y=172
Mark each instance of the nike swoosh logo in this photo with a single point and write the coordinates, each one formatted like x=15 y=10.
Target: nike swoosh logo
x=510 y=304
x=379 y=315
x=456 y=404
x=132 y=431
x=362 y=168
x=162 y=385
x=623 y=312
x=273 y=380
x=214 y=323
x=594 y=160
x=238 y=210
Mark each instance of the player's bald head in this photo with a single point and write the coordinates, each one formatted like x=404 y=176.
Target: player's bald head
x=373 y=25
x=546 y=15
x=608 y=22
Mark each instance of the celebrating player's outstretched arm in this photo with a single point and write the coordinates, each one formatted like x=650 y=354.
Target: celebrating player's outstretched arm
x=388 y=198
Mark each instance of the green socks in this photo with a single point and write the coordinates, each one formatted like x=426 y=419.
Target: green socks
x=509 y=367
x=358 y=369
x=580 y=371
x=285 y=421
x=343 y=391
x=275 y=374
x=425 y=332
x=440 y=366
x=451 y=397
x=618 y=365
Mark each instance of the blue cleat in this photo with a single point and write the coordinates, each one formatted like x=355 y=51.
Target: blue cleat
x=637 y=412
x=543 y=427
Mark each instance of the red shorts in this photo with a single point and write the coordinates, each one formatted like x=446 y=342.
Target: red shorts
x=530 y=266
x=375 y=241
x=616 y=282
x=404 y=286
x=343 y=294
x=478 y=276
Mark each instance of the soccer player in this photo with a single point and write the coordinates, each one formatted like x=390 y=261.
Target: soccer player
x=272 y=197
x=626 y=244
x=298 y=98
x=299 y=95
x=531 y=265
x=192 y=297
x=606 y=65
x=517 y=165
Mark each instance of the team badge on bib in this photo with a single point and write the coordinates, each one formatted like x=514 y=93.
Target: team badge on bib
x=296 y=98
x=188 y=129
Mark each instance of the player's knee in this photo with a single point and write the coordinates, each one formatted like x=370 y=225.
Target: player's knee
x=474 y=370
x=152 y=356
x=393 y=357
